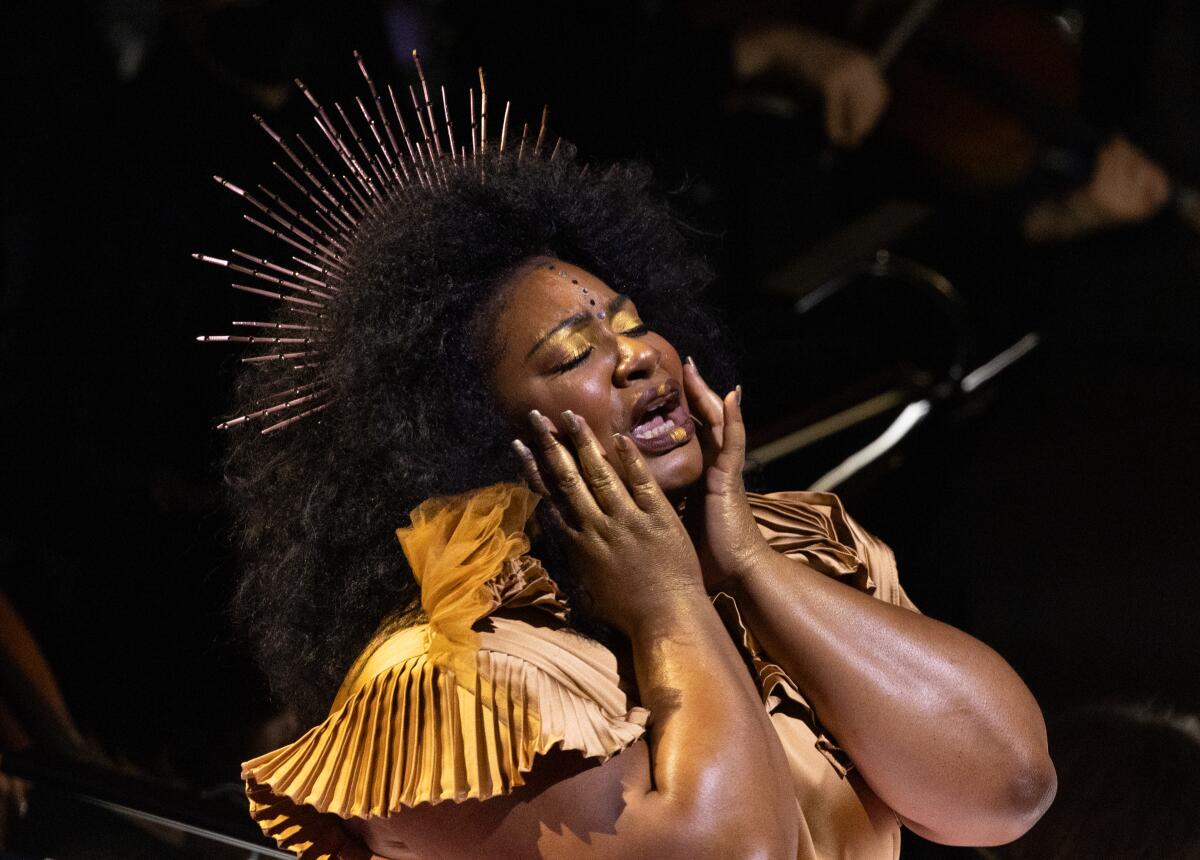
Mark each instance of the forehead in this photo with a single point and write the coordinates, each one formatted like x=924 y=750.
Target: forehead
x=546 y=291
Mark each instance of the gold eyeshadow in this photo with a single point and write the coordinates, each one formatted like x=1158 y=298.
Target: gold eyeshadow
x=625 y=319
x=567 y=345
x=573 y=342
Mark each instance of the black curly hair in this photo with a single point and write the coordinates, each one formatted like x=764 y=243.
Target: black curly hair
x=317 y=504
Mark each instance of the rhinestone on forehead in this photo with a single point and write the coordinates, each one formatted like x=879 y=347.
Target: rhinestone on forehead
x=337 y=193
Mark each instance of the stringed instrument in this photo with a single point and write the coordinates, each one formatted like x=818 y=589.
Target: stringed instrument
x=985 y=92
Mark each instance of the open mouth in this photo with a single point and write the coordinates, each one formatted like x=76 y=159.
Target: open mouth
x=660 y=421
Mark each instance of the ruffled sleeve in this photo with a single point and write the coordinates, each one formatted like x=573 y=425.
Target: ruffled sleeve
x=815 y=529
x=453 y=709
x=413 y=733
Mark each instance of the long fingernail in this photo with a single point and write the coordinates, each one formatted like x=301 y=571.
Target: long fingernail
x=620 y=441
x=522 y=450
x=571 y=420
x=537 y=419
x=692 y=362
x=739 y=393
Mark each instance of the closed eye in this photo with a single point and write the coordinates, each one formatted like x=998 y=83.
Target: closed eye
x=636 y=331
x=573 y=363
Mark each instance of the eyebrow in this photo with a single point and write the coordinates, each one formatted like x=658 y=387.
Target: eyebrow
x=574 y=320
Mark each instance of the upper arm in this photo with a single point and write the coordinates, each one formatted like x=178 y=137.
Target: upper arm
x=569 y=807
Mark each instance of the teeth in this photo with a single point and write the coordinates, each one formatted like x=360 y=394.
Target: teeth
x=648 y=432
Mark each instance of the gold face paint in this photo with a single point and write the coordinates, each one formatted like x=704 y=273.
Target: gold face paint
x=625 y=320
x=567 y=345
x=572 y=343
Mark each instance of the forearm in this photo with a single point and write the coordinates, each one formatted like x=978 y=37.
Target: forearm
x=936 y=722
x=716 y=762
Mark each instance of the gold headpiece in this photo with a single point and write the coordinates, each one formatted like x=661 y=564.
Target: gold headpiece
x=365 y=180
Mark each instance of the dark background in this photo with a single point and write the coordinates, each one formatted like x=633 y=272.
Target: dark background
x=1052 y=515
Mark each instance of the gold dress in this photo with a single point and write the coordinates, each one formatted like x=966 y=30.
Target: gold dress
x=460 y=706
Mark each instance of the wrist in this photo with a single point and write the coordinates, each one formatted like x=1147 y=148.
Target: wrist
x=667 y=613
x=747 y=566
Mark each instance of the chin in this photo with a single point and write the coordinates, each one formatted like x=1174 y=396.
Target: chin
x=678 y=469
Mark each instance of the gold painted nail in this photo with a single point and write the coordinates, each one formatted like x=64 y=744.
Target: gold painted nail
x=571 y=419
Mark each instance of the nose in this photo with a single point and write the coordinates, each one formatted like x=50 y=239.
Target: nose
x=636 y=359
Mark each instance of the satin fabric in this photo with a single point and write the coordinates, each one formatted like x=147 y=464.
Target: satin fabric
x=460 y=706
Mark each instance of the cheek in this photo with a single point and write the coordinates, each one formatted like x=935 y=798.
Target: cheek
x=669 y=357
x=588 y=395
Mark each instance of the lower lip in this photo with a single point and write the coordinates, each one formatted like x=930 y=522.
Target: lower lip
x=671 y=440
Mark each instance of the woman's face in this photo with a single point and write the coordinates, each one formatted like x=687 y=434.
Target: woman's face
x=565 y=340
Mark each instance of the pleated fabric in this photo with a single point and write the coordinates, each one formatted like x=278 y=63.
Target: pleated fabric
x=414 y=734
x=411 y=725
x=815 y=529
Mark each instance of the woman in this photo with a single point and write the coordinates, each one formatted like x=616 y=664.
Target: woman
x=747 y=679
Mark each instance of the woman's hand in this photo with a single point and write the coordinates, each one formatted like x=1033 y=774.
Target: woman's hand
x=718 y=515
x=630 y=549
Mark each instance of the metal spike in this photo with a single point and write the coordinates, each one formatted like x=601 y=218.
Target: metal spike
x=324 y=212
x=421 y=124
x=449 y=124
x=326 y=273
x=262 y=276
x=327 y=126
x=296 y=160
x=304 y=249
x=288 y=309
x=541 y=137
x=474 y=142
x=277 y=356
x=433 y=129
x=254 y=338
x=354 y=135
x=283 y=297
x=280 y=425
x=274 y=216
x=289 y=393
x=482 y=113
x=278 y=326
x=387 y=126
x=347 y=157
x=270 y=410
x=337 y=183
x=504 y=126
x=403 y=131
x=300 y=216
x=277 y=268
x=387 y=155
